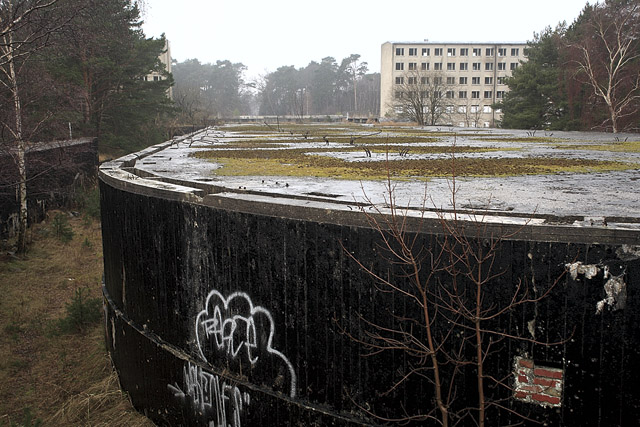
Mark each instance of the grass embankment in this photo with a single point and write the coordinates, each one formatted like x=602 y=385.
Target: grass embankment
x=54 y=368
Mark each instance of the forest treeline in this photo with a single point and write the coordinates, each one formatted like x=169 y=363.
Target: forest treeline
x=204 y=92
x=71 y=68
x=77 y=68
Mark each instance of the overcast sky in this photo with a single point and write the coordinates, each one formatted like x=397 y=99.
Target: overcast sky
x=267 y=34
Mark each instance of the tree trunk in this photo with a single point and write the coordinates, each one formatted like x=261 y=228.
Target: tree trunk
x=22 y=190
x=20 y=149
x=614 y=120
x=479 y=343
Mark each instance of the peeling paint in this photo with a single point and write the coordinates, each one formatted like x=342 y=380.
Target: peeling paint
x=531 y=326
x=588 y=270
x=628 y=252
x=615 y=288
x=616 y=291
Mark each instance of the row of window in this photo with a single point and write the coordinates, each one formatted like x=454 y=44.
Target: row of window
x=450 y=94
x=463 y=51
x=413 y=80
x=462 y=109
x=451 y=66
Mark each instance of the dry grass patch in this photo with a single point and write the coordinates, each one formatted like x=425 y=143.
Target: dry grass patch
x=617 y=147
x=510 y=138
x=42 y=368
x=282 y=157
x=301 y=163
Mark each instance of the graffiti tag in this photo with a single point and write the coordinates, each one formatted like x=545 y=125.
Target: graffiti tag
x=234 y=327
x=210 y=393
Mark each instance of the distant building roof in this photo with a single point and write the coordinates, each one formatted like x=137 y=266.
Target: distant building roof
x=456 y=42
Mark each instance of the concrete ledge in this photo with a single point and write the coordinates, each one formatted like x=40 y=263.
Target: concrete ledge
x=123 y=173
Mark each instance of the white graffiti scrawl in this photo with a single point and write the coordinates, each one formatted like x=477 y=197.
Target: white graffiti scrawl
x=239 y=330
x=210 y=393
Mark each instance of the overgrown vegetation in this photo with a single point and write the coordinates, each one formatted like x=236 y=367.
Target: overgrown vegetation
x=82 y=312
x=370 y=153
x=54 y=368
x=81 y=74
x=88 y=201
x=27 y=420
x=76 y=68
x=453 y=305
x=61 y=228
x=583 y=76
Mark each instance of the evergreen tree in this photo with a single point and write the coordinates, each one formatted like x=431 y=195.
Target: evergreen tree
x=536 y=98
x=279 y=92
x=80 y=65
x=104 y=59
x=204 y=92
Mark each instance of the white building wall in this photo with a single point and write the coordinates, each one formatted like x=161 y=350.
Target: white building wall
x=482 y=67
x=165 y=58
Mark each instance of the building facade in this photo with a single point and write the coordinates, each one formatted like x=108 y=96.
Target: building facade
x=471 y=77
x=165 y=58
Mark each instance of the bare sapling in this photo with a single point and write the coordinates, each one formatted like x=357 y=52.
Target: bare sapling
x=443 y=264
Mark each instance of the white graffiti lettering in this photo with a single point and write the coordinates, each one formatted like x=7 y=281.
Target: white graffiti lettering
x=233 y=325
x=209 y=393
x=224 y=331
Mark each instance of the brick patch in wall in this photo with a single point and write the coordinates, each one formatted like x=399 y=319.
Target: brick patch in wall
x=537 y=384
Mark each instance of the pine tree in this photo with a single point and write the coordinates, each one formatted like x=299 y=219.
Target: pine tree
x=536 y=99
x=105 y=59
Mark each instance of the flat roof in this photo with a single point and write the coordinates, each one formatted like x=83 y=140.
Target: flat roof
x=594 y=199
x=428 y=42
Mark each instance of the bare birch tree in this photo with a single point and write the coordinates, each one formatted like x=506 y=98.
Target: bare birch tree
x=608 y=58
x=26 y=26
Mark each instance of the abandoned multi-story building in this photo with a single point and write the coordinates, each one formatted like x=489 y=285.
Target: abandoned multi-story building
x=165 y=58
x=470 y=76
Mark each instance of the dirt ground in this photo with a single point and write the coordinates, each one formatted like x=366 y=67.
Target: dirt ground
x=50 y=375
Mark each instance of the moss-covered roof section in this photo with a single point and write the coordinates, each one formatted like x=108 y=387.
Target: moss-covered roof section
x=356 y=152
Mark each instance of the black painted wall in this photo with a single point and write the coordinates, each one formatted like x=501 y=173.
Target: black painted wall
x=297 y=296
x=54 y=171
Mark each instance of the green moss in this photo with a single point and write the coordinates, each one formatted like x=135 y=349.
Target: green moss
x=321 y=166
x=508 y=138
x=294 y=154
x=618 y=147
x=251 y=144
x=282 y=153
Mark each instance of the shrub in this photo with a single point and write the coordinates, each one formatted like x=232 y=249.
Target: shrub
x=82 y=312
x=88 y=201
x=61 y=228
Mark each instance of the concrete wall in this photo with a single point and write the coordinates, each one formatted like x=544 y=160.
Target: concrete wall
x=227 y=312
x=54 y=171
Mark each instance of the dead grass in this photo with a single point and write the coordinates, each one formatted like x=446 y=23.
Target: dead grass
x=300 y=152
x=617 y=147
x=63 y=379
x=299 y=163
